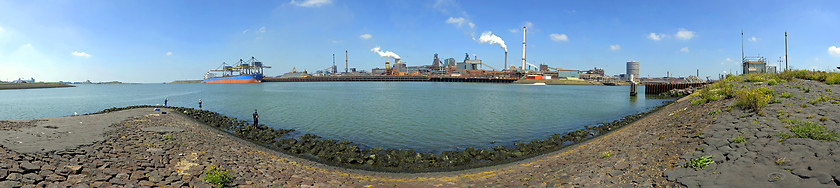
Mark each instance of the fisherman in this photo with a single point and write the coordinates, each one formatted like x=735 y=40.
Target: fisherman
x=199 y=104
x=256 y=119
x=165 y=100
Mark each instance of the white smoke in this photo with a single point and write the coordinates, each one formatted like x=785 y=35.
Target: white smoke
x=385 y=53
x=489 y=37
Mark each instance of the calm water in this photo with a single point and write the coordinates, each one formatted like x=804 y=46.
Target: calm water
x=424 y=116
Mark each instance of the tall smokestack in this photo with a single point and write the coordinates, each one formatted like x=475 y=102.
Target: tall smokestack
x=503 y=68
x=333 y=67
x=345 y=61
x=524 y=33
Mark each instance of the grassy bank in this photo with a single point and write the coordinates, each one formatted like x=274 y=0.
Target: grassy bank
x=32 y=85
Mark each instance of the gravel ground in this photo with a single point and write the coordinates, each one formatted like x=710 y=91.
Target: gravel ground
x=762 y=160
x=172 y=150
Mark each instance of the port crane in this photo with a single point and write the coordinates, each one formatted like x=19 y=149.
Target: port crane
x=243 y=67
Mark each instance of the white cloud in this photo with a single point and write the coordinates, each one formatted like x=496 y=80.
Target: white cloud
x=472 y=25
x=310 y=3
x=80 y=54
x=728 y=59
x=684 y=49
x=654 y=36
x=615 y=47
x=513 y=30
x=457 y=21
x=816 y=59
x=528 y=24
x=365 y=36
x=261 y=30
x=336 y=41
x=834 y=51
x=244 y=31
x=168 y=53
x=684 y=34
x=753 y=39
x=558 y=37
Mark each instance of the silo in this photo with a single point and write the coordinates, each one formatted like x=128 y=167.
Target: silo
x=633 y=69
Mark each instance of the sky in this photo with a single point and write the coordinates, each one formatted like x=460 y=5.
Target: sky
x=152 y=41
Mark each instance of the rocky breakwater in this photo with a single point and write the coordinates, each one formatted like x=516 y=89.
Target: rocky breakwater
x=769 y=133
x=347 y=154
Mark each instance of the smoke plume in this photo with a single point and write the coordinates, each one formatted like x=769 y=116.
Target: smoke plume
x=489 y=37
x=385 y=53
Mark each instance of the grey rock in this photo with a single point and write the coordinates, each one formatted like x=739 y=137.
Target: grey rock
x=14 y=177
x=55 y=178
x=77 y=178
x=29 y=167
x=74 y=169
x=8 y=183
x=31 y=178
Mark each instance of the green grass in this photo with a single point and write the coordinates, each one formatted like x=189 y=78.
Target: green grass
x=723 y=89
x=739 y=139
x=713 y=112
x=786 y=95
x=166 y=137
x=216 y=177
x=810 y=130
x=700 y=163
x=820 y=99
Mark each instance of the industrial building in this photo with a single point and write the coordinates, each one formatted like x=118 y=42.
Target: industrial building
x=754 y=65
x=632 y=71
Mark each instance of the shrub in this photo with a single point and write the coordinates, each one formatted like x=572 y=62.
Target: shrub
x=216 y=177
x=700 y=163
x=754 y=99
x=772 y=82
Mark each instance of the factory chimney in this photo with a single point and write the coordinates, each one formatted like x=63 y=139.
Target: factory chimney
x=333 y=67
x=524 y=32
x=345 y=61
x=505 y=67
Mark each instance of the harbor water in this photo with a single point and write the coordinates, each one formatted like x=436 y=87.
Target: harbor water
x=423 y=116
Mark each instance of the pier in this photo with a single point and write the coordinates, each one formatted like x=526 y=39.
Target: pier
x=660 y=88
x=387 y=79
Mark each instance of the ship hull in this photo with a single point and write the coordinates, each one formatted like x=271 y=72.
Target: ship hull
x=251 y=78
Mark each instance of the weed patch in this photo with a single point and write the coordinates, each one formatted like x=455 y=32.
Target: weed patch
x=216 y=177
x=810 y=130
x=700 y=163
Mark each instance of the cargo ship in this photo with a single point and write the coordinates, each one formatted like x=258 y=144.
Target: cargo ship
x=250 y=71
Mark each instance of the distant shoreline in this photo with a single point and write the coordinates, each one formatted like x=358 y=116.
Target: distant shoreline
x=32 y=85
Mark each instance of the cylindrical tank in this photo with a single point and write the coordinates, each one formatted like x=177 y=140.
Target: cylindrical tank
x=633 y=69
x=387 y=65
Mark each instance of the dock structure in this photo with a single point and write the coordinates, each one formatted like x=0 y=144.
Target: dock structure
x=661 y=88
x=387 y=79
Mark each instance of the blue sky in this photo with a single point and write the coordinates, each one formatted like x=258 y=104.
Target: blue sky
x=161 y=41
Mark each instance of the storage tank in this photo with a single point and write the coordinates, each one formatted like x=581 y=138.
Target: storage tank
x=633 y=69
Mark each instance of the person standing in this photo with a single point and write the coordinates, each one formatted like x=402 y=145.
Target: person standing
x=256 y=119
x=165 y=100
x=199 y=104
